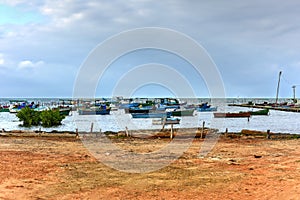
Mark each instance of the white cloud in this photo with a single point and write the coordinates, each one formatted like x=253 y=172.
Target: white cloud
x=29 y=64
x=2 y=61
x=237 y=34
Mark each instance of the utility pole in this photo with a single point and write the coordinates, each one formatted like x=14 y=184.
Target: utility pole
x=294 y=93
x=276 y=101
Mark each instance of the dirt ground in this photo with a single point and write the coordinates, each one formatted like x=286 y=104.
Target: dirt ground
x=62 y=168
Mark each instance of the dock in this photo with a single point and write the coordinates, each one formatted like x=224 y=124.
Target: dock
x=280 y=108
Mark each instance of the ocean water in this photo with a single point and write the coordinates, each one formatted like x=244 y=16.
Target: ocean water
x=277 y=121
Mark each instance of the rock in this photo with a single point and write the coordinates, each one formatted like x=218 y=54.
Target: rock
x=257 y=156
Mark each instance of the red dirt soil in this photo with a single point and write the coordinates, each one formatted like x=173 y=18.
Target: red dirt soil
x=62 y=168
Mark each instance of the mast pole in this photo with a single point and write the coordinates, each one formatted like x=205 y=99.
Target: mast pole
x=276 y=101
x=294 y=93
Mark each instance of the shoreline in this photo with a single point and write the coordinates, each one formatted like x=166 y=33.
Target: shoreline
x=152 y=133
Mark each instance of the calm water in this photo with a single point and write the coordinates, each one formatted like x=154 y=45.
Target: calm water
x=277 y=121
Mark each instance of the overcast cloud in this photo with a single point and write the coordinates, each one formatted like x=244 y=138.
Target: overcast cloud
x=44 y=42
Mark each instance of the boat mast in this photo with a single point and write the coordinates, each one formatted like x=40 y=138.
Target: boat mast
x=278 y=89
x=294 y=93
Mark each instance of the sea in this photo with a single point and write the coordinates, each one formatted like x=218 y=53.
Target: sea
x=276 y=122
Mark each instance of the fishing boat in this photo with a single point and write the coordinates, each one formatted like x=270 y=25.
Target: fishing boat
x=166 y=121
x=128 y=105
x=152 y=115
x=260 y=112
x=139 y=109
x=4 y=109
x=204 y=107
x=94 y=112
x=171 y=120
x=188 y=112
x=102 y=110
x=65 y=111
x=207 y=109
x=16 y=107
x=232 y=115
x=167 y=103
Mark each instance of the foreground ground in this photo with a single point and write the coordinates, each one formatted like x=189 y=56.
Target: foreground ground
x=62 y=168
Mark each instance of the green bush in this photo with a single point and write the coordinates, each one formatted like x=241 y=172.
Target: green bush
x=51 y=118
x=46 y=118
x=29 y=117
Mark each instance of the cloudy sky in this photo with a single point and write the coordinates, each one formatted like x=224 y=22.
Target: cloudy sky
x=43 y=43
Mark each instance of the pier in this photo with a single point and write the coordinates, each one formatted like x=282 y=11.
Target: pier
x=280 y=108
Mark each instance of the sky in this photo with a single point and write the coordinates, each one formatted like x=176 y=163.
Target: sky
x=44 y=43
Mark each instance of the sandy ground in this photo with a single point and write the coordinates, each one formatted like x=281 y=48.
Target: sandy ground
x=62 y=168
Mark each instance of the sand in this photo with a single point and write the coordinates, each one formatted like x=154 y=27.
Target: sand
x=60 y=167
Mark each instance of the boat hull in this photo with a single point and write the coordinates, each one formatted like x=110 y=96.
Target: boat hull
x=94 y=112
x=210 y=109
x=232 y=115
x=179 y=113
x=4 y=110
x=139 y=110
x=260 y=112
x=151 y=115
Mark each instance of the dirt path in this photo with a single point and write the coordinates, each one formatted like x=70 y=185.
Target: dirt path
x=62 y=168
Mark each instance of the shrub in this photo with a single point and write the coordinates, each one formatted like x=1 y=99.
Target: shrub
x=29 y=117
x=46 y=118
x=51 y=118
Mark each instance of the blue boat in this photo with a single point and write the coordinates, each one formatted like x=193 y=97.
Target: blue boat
x=145 y=109
x=165 y=107
x=94 y=112
x=204 y=107
x=102 y=110
x=168 y=103
x=151 y=115
x=207 y=109
x=128 y=105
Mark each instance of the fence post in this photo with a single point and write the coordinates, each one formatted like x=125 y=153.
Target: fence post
x=268 y=134
x=77 y=135
x=202 y=132
x=92 y=126
x=171 y=136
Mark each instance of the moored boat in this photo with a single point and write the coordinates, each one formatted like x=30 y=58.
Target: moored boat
x=4 y=109
x=151 y=115
x=207 y=109
x=204 y=107
x=101 y=110
x=63 y=110
x=166 y=121
x=232 y=115
x=188 y=112
x=94 y=112
x=145 y=109
x=168 y=103
x=260 y=112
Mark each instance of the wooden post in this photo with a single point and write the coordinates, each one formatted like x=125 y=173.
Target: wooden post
x=171 y=136
x=164 y=123
x=226 y=132
x=268 y=134
x=202 y=132
x=92 y=126
x=77 y=135
x=127 y=132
